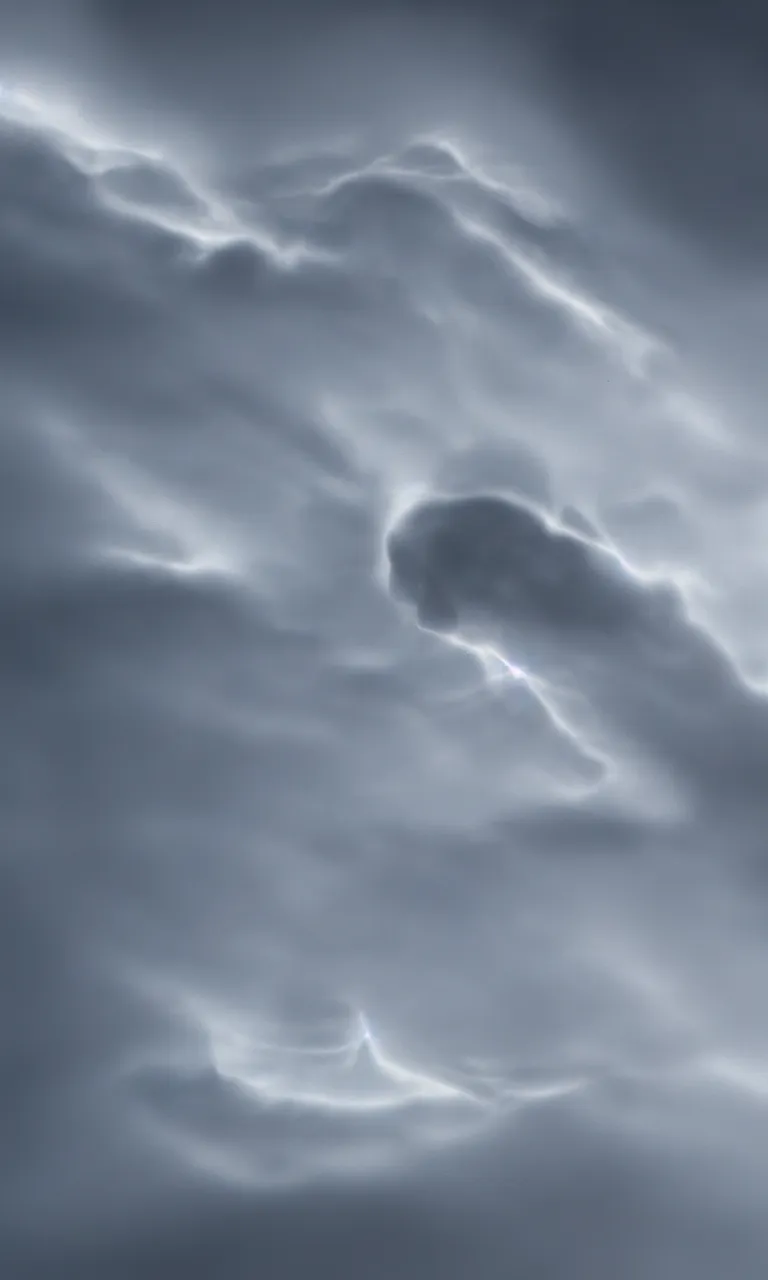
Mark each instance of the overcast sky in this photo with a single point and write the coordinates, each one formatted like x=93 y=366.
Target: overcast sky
x=383 y=618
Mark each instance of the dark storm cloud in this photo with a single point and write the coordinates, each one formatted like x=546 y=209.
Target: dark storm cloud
x=330 y=941
x=564 y=609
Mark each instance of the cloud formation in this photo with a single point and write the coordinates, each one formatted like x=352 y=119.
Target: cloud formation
x=383 y=750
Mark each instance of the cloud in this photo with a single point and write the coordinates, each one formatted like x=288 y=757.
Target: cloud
x=383 y=790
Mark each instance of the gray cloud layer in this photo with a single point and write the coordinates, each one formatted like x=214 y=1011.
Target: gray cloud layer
x=381 y=577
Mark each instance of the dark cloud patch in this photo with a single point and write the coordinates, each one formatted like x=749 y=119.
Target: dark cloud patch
x=670 y=98
x=483 y=554
x=565 y=610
